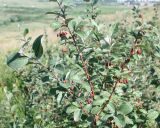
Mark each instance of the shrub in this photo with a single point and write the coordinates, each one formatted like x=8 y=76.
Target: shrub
x=14 y=18
x=99 y=76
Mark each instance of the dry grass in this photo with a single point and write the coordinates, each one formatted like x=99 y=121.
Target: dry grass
x=11 y=40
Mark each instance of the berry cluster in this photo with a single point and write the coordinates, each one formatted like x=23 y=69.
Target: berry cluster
x=62 y=34
x=138 y=103
x=138 y=51
x=89 y=101
x=123 y=81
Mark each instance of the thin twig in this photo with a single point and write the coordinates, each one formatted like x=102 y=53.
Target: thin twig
x=107 y=101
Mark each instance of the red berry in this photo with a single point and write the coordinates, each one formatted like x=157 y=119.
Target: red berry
x=139 y=51
x=65 y=81
x=62 y=34
x=125 y=81
x=132 y=51
x=92 y=93
x=89 y=101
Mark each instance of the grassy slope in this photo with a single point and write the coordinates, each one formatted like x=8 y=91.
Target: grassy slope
x=31 y=14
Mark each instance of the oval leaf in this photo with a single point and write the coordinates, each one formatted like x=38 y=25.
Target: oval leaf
x=77 y=115
x=152 y=114
x=16 y=61
x=59 y=98
x=72 y=25
x=71 y=109
x=37 y=47
x=26 y=31
x=125 y=108
x=120 y=121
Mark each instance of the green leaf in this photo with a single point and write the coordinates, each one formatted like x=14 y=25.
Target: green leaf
x=26 y=31
x=77 y=115
x=95 y=110
x=99 y=101
x=37 y=47
x=59 y=98
x=76 y=77
x=125 y=108
x=38 y=117
x=120 y=121
x=68 y=20
x=85 y=86
x=81 y=34
x=115 y=29
x=143 y=111
x=152 y=114
x=88 y=107
x=16 y=61
x=93 y=23
x=55 y=25
x=104 y=44
x=105 y=94
x=68 y=75
x=128 y=120
x=71 y=109
x=72 y=25
x=106 y=117
x=111 y=107
x=64 y=86
x=14 y=108
x=135 y=126
x=157 y=51
x=95 y=2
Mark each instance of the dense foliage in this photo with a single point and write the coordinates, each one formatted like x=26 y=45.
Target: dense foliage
x=99 y=75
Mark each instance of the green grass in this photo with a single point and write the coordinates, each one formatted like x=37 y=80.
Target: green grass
x=7 y=77
x=113 y=9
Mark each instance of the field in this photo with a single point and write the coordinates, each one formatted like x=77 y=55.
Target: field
x=17 y=15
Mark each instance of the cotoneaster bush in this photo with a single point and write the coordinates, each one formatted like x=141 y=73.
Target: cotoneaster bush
x=98 y=76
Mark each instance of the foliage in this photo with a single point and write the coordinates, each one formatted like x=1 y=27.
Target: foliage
x=97 y=77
